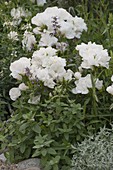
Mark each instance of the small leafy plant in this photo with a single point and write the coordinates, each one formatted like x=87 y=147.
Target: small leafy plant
x=95 y=152
x=47 y=131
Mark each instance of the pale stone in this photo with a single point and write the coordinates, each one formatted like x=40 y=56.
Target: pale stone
x=29 y=164
x=2 y=157
x=32 y=168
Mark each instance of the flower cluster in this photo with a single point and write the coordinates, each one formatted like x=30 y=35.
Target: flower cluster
x=28 y=40
x=93 y=55
x=17 y=14
x=58 y=22
x=44 y=65
x=83 y=84
x=13 y=36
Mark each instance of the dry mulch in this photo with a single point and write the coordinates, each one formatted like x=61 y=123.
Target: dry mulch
x=5 y=166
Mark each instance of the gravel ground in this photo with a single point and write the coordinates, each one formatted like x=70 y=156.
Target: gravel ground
x=5 y=166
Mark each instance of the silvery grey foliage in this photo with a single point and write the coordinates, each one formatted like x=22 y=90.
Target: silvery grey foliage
x=95 y=153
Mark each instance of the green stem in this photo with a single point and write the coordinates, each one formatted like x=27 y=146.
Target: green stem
x=94 y=101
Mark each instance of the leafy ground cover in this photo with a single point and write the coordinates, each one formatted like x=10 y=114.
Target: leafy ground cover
x=56 y=67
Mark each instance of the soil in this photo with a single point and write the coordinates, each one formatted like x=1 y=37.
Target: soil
x=5 y=166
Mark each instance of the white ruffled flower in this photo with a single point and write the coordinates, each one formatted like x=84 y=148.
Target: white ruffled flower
x=110 y=89
x=99 y=84
x=112 y=78
x=28 y=40
x=17 y=14
x=68 y=75
x=23 y=87
x=79 y=26
x=18 y=67
x=83 y=84
x=93 y=55
x=44 y=66
x=13 y=36
x=41 y=58
x=14 y=93
x=47 y=39
x=57 y=20
x=77 y=75
x=47 y=67
x=41 y=2
x=49 y=83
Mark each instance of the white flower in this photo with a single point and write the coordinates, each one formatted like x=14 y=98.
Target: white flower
x=42 y=74
x=41 y=2
x=79 y=26
x=57 y=20
x=16 y=22
x=82 y=85
x=77 y=75
x=68 y=75
x=7 y=24
x=50 y=83
x=34 y=99
x=47 y=39
x=99 y=84
x=18 y=67
x=93 y=55
x=47 y=67
x=23 y=87
x=110 y=89
x=14 y=93
x=67 y=29
x=13 y=36
x=112 y=78
x=41 y=58
x=27 y=26
x=28 y=40
x=17 y=13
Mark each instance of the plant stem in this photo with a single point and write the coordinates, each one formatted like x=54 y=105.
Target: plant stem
x=94 y=101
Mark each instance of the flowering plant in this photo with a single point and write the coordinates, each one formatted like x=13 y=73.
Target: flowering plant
x=59 y=79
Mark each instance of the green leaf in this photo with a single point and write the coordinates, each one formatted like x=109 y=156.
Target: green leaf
x=51 y=151
x=44 y=152
x=36 y=153
x=66 y=135
x=23 y=127
x=55 y=167
x=36 y=128
x=2 y=138
x=56 y=159
x=22 y=147
x=27 y=152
